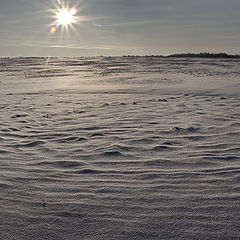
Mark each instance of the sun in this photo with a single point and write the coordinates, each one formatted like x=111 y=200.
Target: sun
x=66 y=17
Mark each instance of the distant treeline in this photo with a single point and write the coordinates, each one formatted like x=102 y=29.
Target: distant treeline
x=191 y=55
x=205 y=55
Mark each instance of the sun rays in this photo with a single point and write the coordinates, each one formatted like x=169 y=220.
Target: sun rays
x=65 y=18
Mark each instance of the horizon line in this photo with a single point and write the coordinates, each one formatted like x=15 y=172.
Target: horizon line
x=184 y=54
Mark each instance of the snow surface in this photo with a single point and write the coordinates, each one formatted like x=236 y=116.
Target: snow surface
x=119 y=148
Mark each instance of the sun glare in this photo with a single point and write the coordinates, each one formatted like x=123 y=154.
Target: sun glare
x=65 y=17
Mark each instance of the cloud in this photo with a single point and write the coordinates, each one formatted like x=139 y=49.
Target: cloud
x=45 y=44
x=118 y=26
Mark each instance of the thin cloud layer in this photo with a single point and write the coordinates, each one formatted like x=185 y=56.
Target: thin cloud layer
x=122 y=27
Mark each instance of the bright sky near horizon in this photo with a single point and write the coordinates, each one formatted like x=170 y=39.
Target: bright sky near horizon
x=118 y=27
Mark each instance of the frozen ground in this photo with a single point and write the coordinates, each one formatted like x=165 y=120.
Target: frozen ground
x=119 y=148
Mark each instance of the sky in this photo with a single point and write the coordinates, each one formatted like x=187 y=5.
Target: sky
x=119 y=27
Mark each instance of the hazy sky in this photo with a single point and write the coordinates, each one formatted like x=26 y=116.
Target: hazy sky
x=118 y=27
